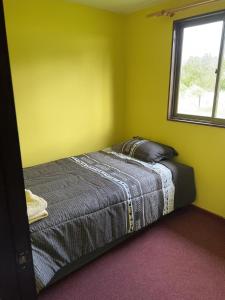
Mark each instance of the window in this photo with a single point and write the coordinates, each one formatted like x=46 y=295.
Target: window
x=197 y=87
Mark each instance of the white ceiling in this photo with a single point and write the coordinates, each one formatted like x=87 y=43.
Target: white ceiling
x=120 y=6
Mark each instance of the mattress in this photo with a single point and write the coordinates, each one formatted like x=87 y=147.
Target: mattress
x=94 y=201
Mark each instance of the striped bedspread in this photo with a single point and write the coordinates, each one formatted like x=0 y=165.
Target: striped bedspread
x=93 y=199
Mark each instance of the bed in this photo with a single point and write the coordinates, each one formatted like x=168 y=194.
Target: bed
x=95 y=201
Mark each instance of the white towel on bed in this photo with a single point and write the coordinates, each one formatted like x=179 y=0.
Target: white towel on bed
x=36 y=207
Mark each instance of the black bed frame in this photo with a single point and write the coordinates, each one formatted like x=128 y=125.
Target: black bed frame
x=17 y=279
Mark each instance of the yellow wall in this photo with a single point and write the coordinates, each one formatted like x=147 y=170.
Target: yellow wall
x=68 y=73
x=148 y=69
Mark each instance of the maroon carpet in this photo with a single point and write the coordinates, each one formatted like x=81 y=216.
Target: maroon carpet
x=180 y=257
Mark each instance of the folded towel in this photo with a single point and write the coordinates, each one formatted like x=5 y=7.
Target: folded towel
x=38 y=217
x=36 y=207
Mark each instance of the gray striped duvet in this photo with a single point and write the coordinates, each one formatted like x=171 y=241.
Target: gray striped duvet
x=93 y=199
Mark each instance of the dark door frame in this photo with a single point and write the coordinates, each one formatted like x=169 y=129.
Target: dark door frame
x=17 y=279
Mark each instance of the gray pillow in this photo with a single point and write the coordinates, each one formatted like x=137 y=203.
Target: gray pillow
x=145 y=150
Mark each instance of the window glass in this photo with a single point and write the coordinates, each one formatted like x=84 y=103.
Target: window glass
x=199 y=62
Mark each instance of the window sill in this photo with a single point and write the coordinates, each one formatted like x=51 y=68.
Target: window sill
x=215 y=123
